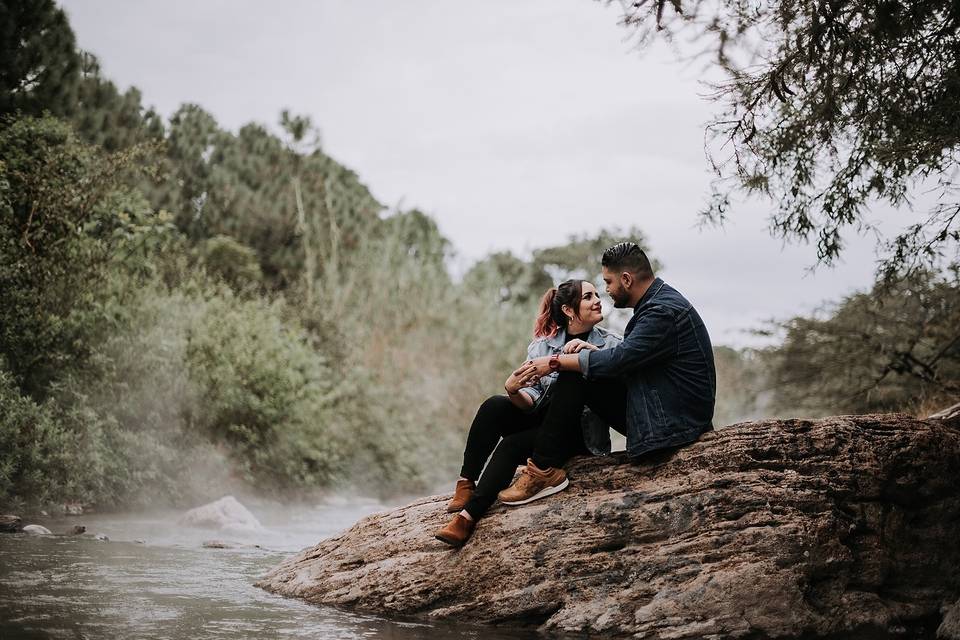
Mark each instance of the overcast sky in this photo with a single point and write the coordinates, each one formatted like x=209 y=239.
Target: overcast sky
x=513 y=123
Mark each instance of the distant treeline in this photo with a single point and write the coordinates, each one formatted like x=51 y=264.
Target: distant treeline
x=186 y=308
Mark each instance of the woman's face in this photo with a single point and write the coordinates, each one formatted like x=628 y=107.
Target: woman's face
x=590 y=308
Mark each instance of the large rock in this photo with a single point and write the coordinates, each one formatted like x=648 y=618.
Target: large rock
x=949 y=629
x=950 y=415
x=225 y=514
x=37 y=530
x=847 y=526
x=10 y=524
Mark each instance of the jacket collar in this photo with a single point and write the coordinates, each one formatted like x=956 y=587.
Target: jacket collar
x=595 y=338
x=649 y=294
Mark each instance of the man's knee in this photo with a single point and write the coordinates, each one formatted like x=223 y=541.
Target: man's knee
x=566 y=378
x=517 y=447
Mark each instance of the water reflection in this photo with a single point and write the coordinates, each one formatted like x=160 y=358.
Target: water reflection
x=82 y=588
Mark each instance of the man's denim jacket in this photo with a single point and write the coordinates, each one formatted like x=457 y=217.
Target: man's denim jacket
x=596 y=432
x=666 y=363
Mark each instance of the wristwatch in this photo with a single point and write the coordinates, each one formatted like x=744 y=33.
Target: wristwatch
x=554 y=363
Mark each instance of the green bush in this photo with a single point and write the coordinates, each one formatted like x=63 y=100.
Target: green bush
x=233 y=263
x=51 y=454
x=56 y=239
x=263 y=390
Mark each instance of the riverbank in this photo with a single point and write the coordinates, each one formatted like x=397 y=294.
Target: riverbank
x=170 y=586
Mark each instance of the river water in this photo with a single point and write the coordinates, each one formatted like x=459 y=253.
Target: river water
x=154 y=579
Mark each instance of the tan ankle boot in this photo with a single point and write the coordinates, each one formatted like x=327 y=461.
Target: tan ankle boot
x=461 y=496
x=457 y=531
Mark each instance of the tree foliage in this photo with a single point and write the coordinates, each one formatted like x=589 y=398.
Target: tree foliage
x=520 y=281
x=890 y=349
x=44 y=72
x=41 y=63
x=103 y=116
x=186 y=306
x=55 y=240
x=828 y=106
x=271 y=195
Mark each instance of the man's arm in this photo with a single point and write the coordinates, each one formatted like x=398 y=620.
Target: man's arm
x=568 y=362
x=653 y=338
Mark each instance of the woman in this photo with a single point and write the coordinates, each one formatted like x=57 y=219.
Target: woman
x=506 y=426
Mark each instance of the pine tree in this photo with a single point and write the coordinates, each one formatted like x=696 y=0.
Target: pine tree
x=39 y=65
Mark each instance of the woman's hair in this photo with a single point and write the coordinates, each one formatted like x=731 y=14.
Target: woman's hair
x=550 y=317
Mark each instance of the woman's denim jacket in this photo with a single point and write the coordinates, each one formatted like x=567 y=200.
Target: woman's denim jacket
x=596 y=432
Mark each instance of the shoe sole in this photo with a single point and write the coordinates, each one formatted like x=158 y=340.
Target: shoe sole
x=456 y=544
x=549 y=491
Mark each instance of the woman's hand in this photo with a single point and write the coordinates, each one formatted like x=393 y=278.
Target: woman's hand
x=524 y=376
x=578 y=345
x=541 y=366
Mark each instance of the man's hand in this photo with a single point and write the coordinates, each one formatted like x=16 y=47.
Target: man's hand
x=577 y=345
x=524 y=376
x=541 y=366
x=568 y=362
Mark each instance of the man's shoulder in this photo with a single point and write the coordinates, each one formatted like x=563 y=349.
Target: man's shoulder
x=670 y=298
x=607 y=335
x=665 y=305
x=675 y=304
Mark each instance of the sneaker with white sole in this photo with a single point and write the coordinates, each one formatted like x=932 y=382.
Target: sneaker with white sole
x=534 y=483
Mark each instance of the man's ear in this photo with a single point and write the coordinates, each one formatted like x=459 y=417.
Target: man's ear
x=627 y=279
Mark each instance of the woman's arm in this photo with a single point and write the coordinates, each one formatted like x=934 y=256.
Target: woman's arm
x=522 y=377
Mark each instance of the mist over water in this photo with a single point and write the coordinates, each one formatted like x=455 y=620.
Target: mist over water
x=170 y=586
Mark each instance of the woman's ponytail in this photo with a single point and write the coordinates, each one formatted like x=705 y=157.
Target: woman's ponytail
x=545 y=326
x=550 y=316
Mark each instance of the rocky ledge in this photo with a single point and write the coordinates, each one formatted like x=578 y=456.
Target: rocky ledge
x=847 y=527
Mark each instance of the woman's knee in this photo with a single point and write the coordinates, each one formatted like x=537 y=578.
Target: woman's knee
x=495 y=405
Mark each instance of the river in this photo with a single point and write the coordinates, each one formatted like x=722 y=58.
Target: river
x=153 y=579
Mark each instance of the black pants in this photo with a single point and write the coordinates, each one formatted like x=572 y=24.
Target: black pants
x=510 y=435
x=568 y=396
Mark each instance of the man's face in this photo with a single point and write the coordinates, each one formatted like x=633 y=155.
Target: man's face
x=615 y=288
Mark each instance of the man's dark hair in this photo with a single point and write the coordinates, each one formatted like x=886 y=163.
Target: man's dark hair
x=628 y=256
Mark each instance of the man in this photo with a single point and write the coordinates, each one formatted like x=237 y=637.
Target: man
x=658 y=387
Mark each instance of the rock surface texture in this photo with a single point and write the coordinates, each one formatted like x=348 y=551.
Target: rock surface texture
x=950 y=627
x=846 y=526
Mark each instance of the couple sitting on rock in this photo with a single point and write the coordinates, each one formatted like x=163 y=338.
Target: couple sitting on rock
x=656 y=386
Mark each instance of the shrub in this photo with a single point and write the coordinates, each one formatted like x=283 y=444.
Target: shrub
x=51 y=256
x=51 y=454
x=264 y=390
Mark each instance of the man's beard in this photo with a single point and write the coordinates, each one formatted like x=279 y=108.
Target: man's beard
x=620 y=299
